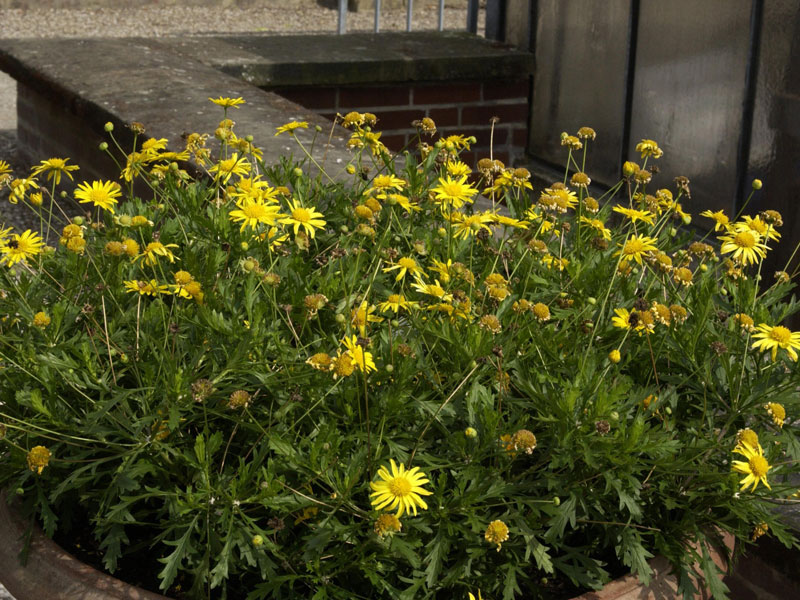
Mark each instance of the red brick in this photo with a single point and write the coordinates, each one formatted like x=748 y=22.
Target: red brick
x=314 y=98
x=361 y=97
x=394 y=142
x=508 y=113
x=456 y=93
x=397 y=119
x=444 y=117
x=506 y=89
x=520 y=137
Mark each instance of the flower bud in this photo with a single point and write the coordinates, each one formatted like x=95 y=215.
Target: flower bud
x=298 y=172
x=471 y=432
x=109 y=127
x=629 y=168
x=103 y=146
x=258 y=541
x=757 y=184
x=78 y=220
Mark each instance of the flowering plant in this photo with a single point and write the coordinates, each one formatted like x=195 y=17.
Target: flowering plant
x=405 y=379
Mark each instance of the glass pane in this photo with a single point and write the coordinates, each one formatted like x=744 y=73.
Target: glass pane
x=689 y=91
x=581 y=53
x=775 y=144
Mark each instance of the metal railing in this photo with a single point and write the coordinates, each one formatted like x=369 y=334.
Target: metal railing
x=471 y=25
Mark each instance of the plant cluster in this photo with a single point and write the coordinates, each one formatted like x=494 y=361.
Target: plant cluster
x=406 y=379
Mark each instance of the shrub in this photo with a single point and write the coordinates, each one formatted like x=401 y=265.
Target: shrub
x=281 y=380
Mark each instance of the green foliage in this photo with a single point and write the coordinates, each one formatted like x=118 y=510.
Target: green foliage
x=189 y=379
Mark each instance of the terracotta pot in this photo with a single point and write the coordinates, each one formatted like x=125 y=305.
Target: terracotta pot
x=663 y=585
x=53 y=574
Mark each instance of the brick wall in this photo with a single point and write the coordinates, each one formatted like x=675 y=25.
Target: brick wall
x=464 y=107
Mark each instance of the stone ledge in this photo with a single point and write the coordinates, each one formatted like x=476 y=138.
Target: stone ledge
x=131 y=79
x=268 y=60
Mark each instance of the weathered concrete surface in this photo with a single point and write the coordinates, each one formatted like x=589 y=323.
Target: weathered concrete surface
x=127 y=80
x=268 y=61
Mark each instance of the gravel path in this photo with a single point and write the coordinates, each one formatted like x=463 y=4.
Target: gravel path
x=303 y=16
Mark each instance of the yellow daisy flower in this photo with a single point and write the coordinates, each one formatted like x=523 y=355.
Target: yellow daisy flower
x=155 y=249
x=291 y=127
x=38 y=458
x=19 y=248
x=772 y=338
x=54 y=167
x=146 y=288
x=756 y=467
x=454 y=192
x=746 y=246
x=635 y=215
x=228 y=102
x=396 y=302
x=721 y=220
x=307 y=218
x=235 y=165
x=465 y=226
x=360 y=357
x=635 y=247
x=405 y=265
x=399 y=489
x=102 y=194
x=252 y=211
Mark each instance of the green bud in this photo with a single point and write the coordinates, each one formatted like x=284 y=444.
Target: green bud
x=556 y=501
x=591 y=300
x=317 y=128
x=258 y=541
x=340 y=318
x=395 y=323
x=245 y=246
x=344 y=229
x=673 y=232
x=298 y=172
x=687 y=219
x=109 y=127
x=103 y=146
x=668 y=410
x=19 y=491
x=471 y=432
x=78 y=220
x=614 y=416
x=248 y=139
x=757 y=184
x=389 y=368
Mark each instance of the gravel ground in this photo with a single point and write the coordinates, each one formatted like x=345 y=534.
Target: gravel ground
x=305 y=16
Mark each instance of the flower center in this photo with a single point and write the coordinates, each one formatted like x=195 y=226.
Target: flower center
x=407 y=263
x=98 y=196
x=759 y=466
x=400 y=486
x=781 y=335
x=254 y=211
x=301 y=214
x=634 y=247
x=744 y=239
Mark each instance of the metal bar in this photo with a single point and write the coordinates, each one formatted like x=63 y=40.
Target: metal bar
x=409 y=13
x=746 y=137
x=377 y=15
x=342 y=27
x=495 y=20
x=441 y=15
x=472 y=16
